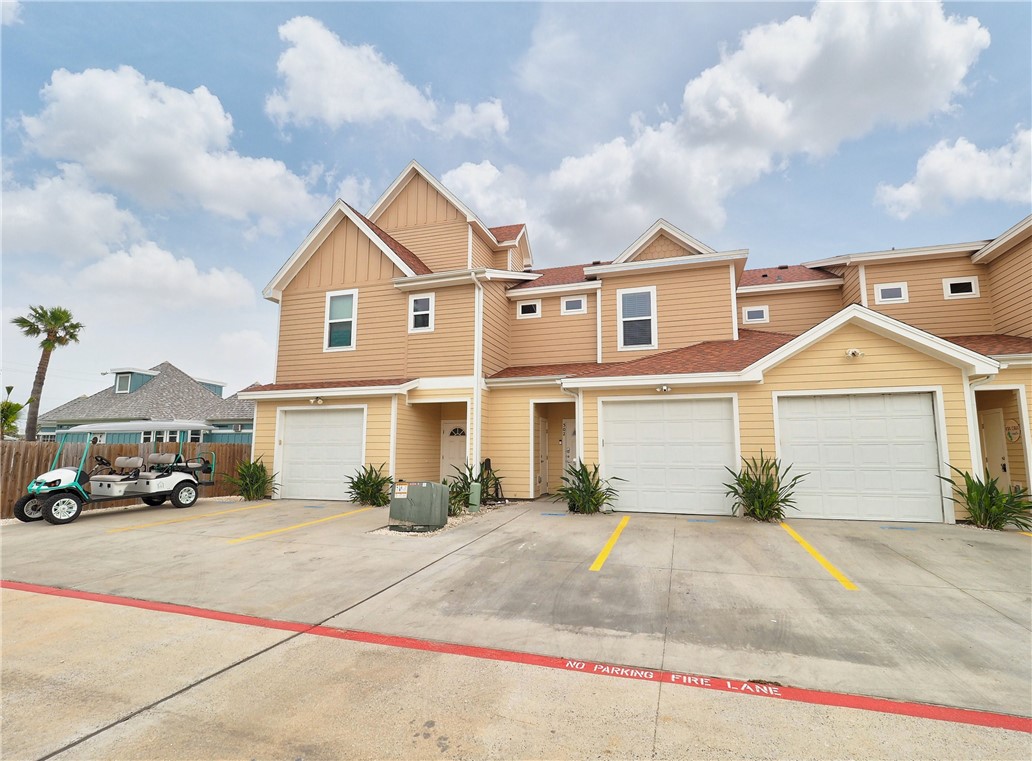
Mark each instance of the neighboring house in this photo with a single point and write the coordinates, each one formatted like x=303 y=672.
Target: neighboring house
x=163 y=392
x=419 y=338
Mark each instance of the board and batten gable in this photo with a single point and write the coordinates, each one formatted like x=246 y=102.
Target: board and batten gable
x=927 y=308
x=791 y=311
x=693 y=305
x=1010 y=279
x=429 y=225
x=554 y=337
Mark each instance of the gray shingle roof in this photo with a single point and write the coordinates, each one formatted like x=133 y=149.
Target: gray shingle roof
x=171 y=395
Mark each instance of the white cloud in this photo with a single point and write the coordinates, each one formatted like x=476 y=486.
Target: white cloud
x=64 y=216
x=156 y=279
x=357 y=191
x=164 y=146
x=10 y=12
x=802 y=86
x=484 y=186
x=327 y=81
x=962 y=172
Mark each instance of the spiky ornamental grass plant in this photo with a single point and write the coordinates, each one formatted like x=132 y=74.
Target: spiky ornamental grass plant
x=253 y=481
x=370 y=486
x=584 y=490
x=988 y=505
x=762 y=489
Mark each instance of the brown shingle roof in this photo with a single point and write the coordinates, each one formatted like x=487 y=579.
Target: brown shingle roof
x=785 y=274
x=705 y=357
x=573 y=273
x=563 y=369
x=315 y=385
x=506 y=232
x=414 y=262
x=994 y=344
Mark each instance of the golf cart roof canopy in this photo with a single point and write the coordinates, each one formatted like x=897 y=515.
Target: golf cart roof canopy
x=141 y=425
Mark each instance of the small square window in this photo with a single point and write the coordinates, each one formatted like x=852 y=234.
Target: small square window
x=122 y=381
x=528 y=310
x=751 y=315
x=960 y=287
x=421 y=313
x=891 y=293
x=574 y=305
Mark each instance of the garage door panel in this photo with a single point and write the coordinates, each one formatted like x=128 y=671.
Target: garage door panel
x=870 y=456
x=320 y=449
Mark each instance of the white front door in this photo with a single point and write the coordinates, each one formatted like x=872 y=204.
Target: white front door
x=867 y=456
x=671 y=454
x=453 y=447
x=541 y=472
x=570 y=458
x=318 y=450
x=994 y=447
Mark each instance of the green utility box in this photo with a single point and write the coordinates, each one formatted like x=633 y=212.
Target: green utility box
x=474 y=497
x=418 y=506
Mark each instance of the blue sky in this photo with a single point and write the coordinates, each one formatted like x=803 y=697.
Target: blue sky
x=161 y=160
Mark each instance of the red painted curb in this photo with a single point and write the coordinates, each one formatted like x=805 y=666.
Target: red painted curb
x=793 y=694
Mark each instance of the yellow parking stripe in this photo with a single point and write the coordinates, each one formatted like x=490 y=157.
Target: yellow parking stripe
x=249 y=537
x=184 y=519
x=839 y=576
x=1025 y=533
x=601 y=559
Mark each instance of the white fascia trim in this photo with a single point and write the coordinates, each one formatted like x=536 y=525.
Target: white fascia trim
x=330 y=392
x=151 y=373
x=885 y=326
x=659 y=227
x=547 y=290
x=458 y=277
x=734 y=304
x=695 y=260
x=951 y=249
x=996 y=246
x=205 y=380
x=1013 y=360
x=445 y=381
x=641 y=381
x=530 y=380
x=805 y=285
x=339 y=210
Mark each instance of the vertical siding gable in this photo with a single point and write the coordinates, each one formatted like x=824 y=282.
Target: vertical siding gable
x=429 y=225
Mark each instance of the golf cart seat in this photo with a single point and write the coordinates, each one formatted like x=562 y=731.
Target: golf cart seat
x=159 y=464
x=128 y=470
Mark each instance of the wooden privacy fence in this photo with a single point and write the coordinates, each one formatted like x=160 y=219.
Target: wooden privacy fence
x=21 y=462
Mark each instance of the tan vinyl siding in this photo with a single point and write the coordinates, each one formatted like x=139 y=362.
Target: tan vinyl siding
x=1010 y=278
x=554 y=337
x=1007 y=402
x=662 y=247
x=791 y=311
x=823 y=366
x=378 y=428
x=483 y=256
x=497 y=317
x=507 y=436
x=441 y=247
x=850 y=285
x=448 y=350
x=694 y=305
x=927 y=308
x=522 y=251
x=418 y=445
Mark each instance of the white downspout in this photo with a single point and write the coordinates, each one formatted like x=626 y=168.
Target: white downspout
x=478 y=366
x=974 y=434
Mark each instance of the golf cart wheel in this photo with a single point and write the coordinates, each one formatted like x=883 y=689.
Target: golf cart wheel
x=62 y=508
x=154 y=501
x=185 y=494
x=28 y=508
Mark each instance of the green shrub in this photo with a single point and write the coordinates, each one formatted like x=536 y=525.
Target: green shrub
x=459 y=487
x=369 y=486
x=253 y=481
x=988 y=506
x=584 y=490
x=762 y=489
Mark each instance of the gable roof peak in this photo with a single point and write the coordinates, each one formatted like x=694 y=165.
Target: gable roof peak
x=658 y=228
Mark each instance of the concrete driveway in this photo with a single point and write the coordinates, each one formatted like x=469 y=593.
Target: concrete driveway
x=929 y=614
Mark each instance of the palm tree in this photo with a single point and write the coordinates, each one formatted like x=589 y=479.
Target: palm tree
x=9 y=412
x=57 y=328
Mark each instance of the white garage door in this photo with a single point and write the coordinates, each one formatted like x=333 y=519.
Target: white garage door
x=672 y=453
x=869 y=456
x=320 y=449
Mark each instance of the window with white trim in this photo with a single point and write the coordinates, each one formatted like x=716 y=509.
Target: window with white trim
x=195 y=437
x=341 y=316
x=122 y=382
x=159 y=437
x=960 y=287
x=636 y=318
x=752 y=315
x=421 y=312
x=528 y=310
x=891 y=293
x=574 y=304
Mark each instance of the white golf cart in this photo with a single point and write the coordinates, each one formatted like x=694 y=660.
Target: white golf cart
x=58 y=495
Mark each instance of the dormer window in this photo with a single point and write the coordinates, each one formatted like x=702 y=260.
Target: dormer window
x=528 y=310
x=122 y=382
x=751 y=315
x=960 y=287
x=891 y=293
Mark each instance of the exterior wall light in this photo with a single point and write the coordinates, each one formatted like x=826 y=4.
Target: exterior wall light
x=662 y=388
x=315 y=400
x=854 y=353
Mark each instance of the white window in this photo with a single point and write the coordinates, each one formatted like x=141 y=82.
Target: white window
x=421 y=313
x=574 y=305
x=528 y=310
x=151 y=437
x=195 y=437
x=891 y=293
x=960 y=287
x=636 y=318
x=122 y=381
x=755 y=314
x=341 y=314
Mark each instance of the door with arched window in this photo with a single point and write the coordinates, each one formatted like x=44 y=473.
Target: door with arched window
x=453 y=447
